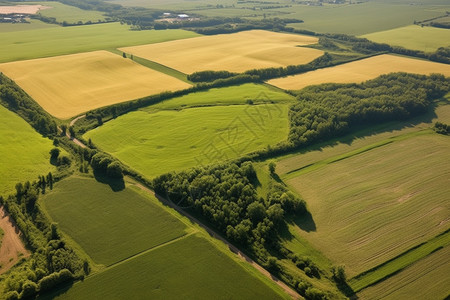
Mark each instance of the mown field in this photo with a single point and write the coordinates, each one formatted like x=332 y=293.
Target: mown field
x=232 y=95
x=235 y=52
x=164 y=141
x=426 y=279
x=425 y=38
x=71 y=84
x=110 y=226
x=361 y=70
x=369 y=208
x=69 y=14
x=190 y=268
x=24 y=154
x=54 y=41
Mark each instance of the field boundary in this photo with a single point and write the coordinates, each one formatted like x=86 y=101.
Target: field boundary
x=429 y=247
x=318 y=164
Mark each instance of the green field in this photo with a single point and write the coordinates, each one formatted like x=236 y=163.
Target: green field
x=361 y=203
x=73 y=39
x=426 y=279
x=226 y=96
x=110 y=226
x=399 y=263
x=24 y=154
x=34 y=24
x=425 y=38
x=164 y=141
x=190 y=268
x=67 y=13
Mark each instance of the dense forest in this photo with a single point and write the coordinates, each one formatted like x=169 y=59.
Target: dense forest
x=329 y=110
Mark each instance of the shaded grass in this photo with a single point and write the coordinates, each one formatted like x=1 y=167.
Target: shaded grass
x=190 y=268
x=395 y=265
x=54 y=41
x=372 y=207
x=426 y=279
x=156 y=143
x=110 y=226
x=24 y=153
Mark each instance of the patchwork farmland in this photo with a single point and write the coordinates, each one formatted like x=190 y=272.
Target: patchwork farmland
x=68 y=85
x=237 y=52
x=361 y=70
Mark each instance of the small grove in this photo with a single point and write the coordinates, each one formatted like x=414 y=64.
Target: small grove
x=225 y=196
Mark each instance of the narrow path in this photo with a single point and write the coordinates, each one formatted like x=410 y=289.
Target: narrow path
x=233 y=249
x=12 y=247
x=76 y=119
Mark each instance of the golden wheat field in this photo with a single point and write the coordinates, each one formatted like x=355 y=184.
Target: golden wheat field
x=361 y=70
x=237 y=52
x=68 y=85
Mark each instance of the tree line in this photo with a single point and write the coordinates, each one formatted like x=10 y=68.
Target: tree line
x=225 y=196
x=53 y=261
x=16 y=100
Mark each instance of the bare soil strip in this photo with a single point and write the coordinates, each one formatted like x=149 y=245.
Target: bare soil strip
x=12 y=247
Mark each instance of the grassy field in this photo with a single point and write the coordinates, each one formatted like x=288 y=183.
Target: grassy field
x=361 y=18
x=24 y=154
x=156 y=143
x=70 y=14
x=226 y=96
x=190 y=268
x=399 y=263
x=370 y=208
x=20 y=45
x=34 y=24
x=71 y=84
x=110 y=226
x=361 y=70
x=425 y=38
x=235 y=52
x=426 y=279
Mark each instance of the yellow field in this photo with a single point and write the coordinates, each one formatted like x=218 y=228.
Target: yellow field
x=237 y=52
x=69 y=85
x=362 y=70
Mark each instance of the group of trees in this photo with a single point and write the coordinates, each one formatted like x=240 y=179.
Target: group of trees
x=225 y=196
x=52 y=261
x=328 y=110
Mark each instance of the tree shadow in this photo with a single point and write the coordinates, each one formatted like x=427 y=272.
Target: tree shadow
x=54 y=161
x=305 y=222
x=116 y=184
x=55 y=293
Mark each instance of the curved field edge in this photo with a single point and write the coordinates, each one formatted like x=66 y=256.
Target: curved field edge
x=177 y=270
x=109 y=225
x=165 y=141
x=24 y=153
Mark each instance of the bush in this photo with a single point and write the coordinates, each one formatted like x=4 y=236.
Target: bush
x=114 y=170
x=29 y=289
x=54 y=279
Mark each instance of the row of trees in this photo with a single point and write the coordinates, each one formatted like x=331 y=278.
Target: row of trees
x=52 y=261
x=16 y=100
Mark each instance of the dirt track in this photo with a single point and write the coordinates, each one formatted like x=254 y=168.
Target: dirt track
x=12 y=246
x=232 y=248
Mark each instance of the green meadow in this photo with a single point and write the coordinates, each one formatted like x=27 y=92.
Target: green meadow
x=242 y=94
x=24 y=153
x=110 y=226
x=164 y=141
x=70 y=14
x=189 y=268
x=426 y=279
x=54 y=41
x=372 y=195
x=425 y=38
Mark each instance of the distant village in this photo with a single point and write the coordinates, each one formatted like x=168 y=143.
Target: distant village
x=13 y=18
